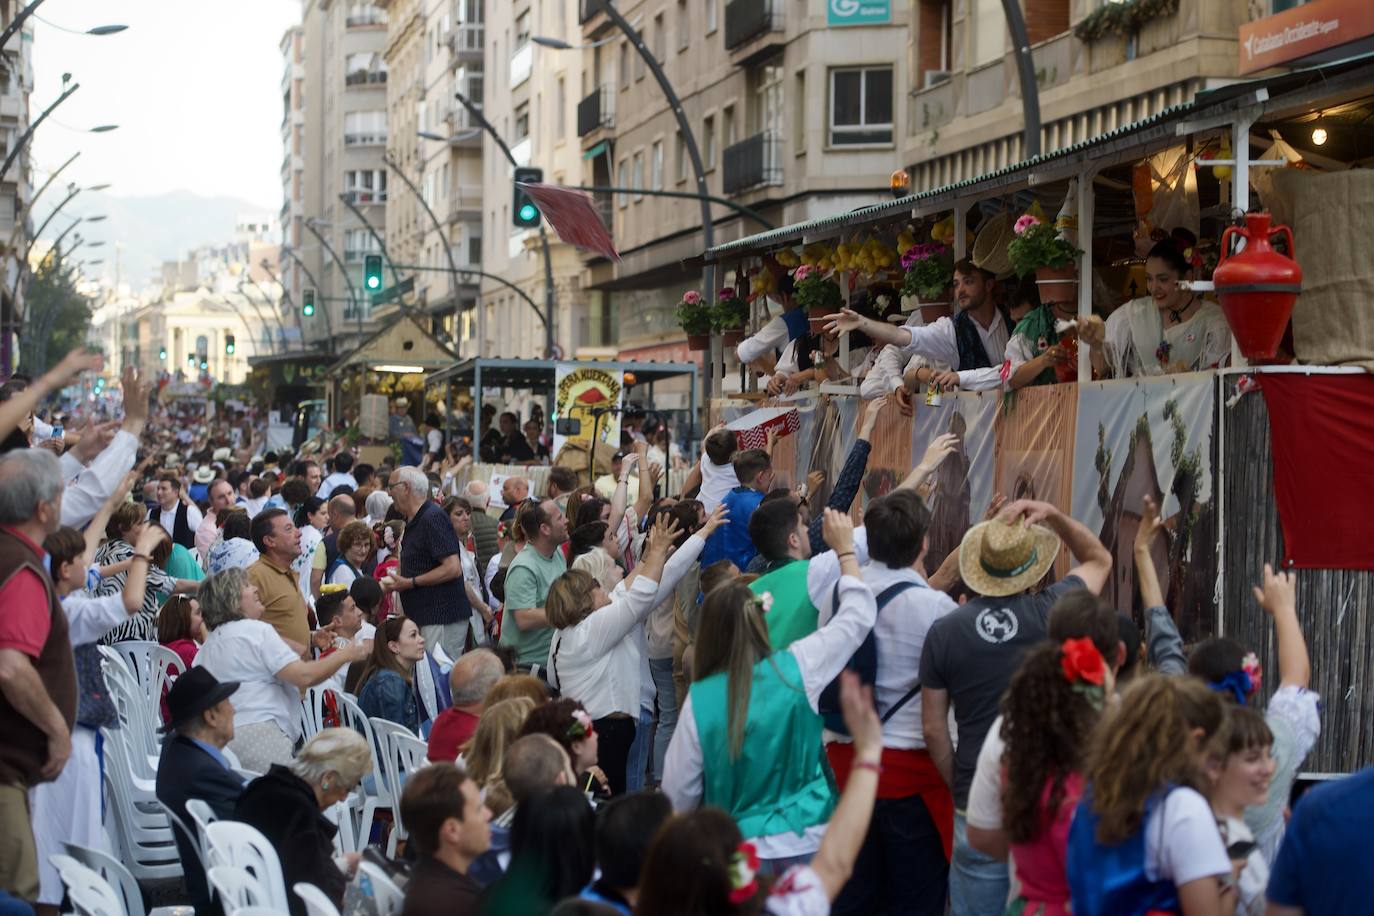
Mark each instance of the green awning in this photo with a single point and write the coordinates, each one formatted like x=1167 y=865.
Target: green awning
x=603 y=147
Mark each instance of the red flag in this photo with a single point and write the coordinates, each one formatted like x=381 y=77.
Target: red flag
x=1322 y=431
x=573 y=216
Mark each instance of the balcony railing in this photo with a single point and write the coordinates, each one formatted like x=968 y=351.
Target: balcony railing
x=466 y=41
x=753 y=163
x=364 y=196
x=595 y=111
x=365 y=17
x=363 y=77
x=748 y=19
x=365 y=138
x=353 y=255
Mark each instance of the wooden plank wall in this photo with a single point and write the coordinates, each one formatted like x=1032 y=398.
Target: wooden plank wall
x=1334 y=606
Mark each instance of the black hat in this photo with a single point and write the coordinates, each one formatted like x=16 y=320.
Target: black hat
x=194 y=692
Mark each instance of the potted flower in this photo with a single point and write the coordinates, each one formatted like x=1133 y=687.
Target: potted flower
x=729 y=316
x=929 y=271
x=1037 y=248
x=694 y=316
x=816 y=293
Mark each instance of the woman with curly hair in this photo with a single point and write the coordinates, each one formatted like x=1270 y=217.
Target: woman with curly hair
x=1143 y=838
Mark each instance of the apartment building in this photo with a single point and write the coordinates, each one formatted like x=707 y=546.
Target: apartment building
x=336 y=79
x=16 y=187
x=530 y=99
x=435 y=49
x=794 y=109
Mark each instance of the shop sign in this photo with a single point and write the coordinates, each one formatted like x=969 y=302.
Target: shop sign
x=1303 y=31
x=590 y=395
x=858 y=12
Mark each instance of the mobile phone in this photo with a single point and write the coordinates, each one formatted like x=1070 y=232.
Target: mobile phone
x=1240 y=849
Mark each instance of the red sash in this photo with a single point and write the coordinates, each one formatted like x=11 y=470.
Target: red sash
x=906 y=772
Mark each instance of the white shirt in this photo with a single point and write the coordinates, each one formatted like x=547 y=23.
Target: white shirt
x=936 y=341
x=799 y=892
x=985 y=795
x=1182 y=842
x=167 y=518
x=89 y=617
x=600 y=661
x=339 y=678
x=88 y=488
x=251 y=652
x=772 y=336
x=1254 y=877
x=900 y=633
x=820 y=656
x=716 y=481
x=337 y=479
x=311 y=538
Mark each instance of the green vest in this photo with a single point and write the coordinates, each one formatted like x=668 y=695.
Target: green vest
x=793 y=615
x=781 y=780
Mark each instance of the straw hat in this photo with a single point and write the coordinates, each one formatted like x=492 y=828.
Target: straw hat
x=997 y=558
x=990 y=246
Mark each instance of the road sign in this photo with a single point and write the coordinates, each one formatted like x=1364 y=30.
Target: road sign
x=394 y=292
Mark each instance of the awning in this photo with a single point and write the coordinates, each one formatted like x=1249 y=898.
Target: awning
x=603 y=147
x=403 y=346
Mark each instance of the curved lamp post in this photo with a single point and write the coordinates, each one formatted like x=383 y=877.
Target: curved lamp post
x=328 y=321
x=352 y=290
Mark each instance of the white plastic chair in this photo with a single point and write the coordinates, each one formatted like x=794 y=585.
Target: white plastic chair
x=202 y=816
x=389 y=897
x=351 y=716
x=312 y=711
x=144 y=834
x=243 y=847
x=393 y=767
x=90 y=894
x=154 y=667
x=188 y=832
x=237 y=889
x=316 y=903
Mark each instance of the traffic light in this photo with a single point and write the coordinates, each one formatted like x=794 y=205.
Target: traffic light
x=308 y=303
x=372 y=272
x=229 y=344
x=524 y=212
x=162 y=353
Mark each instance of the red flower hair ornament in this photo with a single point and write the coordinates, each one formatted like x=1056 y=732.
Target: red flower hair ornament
x=744 y=867
x=1084 y=668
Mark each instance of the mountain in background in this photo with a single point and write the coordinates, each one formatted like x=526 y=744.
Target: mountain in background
x=150 y=229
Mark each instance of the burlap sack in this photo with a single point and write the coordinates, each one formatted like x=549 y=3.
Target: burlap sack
x=1332 y=218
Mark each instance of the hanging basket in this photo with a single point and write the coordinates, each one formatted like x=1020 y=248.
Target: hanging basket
x=698 y=343
x=1057 y=284
x=732 y=336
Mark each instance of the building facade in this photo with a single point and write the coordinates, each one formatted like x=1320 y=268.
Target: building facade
x=16 y=188
x=335 y=86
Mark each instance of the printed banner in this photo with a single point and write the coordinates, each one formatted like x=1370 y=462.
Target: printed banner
x=962 y=488
x=591 y=396
x=1034 y=451
x=1151 y=437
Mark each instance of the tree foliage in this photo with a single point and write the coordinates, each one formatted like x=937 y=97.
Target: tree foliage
x=56 y=316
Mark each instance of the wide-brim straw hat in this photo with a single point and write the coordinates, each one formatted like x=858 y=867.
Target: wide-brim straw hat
x=990 y=245
x=997 y=558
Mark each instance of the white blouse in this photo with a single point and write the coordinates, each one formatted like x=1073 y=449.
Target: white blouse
x=599 y=660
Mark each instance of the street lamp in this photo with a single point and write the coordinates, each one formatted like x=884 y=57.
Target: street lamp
x=18 y=22
x=461 y=135
x=102 y=128
x=97 y=30
x=559 y=44
x=312 y=225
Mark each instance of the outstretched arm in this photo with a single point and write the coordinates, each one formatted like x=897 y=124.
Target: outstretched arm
x=851 y=475
x=1094 y=562
x=1279 y=598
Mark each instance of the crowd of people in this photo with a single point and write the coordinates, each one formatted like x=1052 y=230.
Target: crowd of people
x=725 y=700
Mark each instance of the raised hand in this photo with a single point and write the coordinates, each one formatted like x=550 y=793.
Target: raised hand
x=1279 y=591
x=719 y=516
x=941 y=448
x=838 y=530
x=1149 y=525
x=1092 y=330
x=843 y=322
x=871 y=411
x=662 y=535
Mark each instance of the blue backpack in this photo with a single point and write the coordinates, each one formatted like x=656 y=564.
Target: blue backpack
x=864 y=661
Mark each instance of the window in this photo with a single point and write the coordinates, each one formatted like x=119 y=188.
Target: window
x=728 y=126
x=934 y=18
x=522 y=122
x=860 y=106
x=360 y=14
x=522 y=29
x=684 y=27
x=711 y=22
x=799 y=115
x=680 y=158
x=622 y=180
x=989 y=42
x=708 y=142
x=656 y=166
x=474 y=249
x=357 y=243
x=659 y=46
x=624 y=65
x=637 y=59
x=366 y=185
x=364 y=68
x=365 y=128
x=637 y=173
x=560 y=112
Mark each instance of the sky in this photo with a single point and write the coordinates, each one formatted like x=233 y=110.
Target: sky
x=194 y=85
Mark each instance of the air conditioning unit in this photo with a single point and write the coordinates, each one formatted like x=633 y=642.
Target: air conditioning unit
x=935 y=78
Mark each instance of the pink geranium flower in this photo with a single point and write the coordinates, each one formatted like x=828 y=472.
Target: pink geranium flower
x=802 y=272
x=1025 y=223
x=691 y=297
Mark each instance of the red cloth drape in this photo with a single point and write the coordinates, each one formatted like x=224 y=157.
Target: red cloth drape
x=1322 y=433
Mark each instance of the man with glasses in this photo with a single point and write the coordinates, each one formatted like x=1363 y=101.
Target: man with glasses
x=429 y=579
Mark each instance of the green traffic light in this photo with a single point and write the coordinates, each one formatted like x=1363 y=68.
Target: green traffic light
x=374 y=282
x=528 y=213
x=308 y=310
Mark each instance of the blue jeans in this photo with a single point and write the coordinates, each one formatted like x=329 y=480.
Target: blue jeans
x=638 y=761
x=662 y=671
x=901 y=868
x=978 y=884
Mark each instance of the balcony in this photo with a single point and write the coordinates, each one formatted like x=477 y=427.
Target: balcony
x=365 y=17
x=753 y=28
x=596 y=111
x=586 y=9
x=366 y=138
x=521 y=64
x=364 y=197
x=465 y=42
x=753 y=163
x=355 y=255
x=465 y=202
x=365 y=77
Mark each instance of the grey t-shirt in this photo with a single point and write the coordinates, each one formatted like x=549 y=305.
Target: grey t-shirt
x=972 y=653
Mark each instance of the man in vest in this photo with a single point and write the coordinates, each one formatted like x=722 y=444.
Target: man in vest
x=175 y=511
x=38 y=690
x=974 y=341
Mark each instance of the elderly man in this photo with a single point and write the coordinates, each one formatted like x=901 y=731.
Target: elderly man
x=514 y=491
x=279 y=542
x=430 y=577
x=341 y=510
x=221 y=498
x=484 y=527
x=469 y=682
x=38 y=688
x=193 y=765
x=175 y=511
